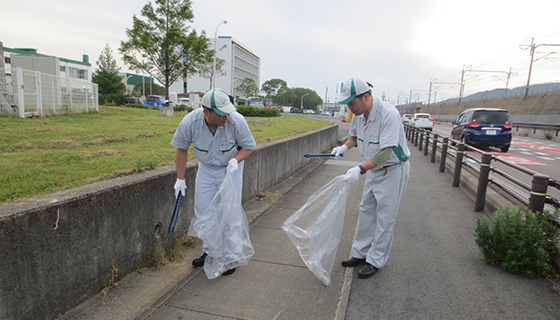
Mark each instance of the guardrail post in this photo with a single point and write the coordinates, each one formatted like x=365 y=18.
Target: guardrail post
x=434 y=148
x=407 y=132
x=538 y=193
x=482 y=181
x=421 y=142
x=443 y=154
x=458 y=164
x=415 y=137
x=427 y=143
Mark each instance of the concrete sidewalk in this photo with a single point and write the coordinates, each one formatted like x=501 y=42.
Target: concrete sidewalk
x=435 y=270
x=276 y=284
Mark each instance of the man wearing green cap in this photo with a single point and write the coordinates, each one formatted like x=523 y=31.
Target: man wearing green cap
x=378 y=133
x=222 y=140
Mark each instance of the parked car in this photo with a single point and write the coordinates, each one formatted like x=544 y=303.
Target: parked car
x=484 y=128
x=422 y=120
x=155 y=101
x=295 y=110
x=406 y=118
x=134 y=100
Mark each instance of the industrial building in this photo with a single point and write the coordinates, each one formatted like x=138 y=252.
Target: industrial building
x=240 y=63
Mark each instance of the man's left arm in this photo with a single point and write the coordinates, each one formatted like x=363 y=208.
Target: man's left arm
x=243 y=154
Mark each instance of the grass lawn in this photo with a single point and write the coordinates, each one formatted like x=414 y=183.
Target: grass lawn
x=39 y=156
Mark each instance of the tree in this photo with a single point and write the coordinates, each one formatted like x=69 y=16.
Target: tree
x=162 y=46
x=311 y=100
x=270 y=88
x=106 y=75
x=248 y=88
x=207 y=69
x=285 y=96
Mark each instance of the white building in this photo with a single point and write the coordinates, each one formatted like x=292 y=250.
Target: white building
x=30 y=59
x=240 y=63
x=35 y=84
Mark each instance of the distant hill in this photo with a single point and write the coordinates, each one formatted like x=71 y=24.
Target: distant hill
x=500 y=92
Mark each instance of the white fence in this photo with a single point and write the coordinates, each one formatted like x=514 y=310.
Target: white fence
x=33 y=93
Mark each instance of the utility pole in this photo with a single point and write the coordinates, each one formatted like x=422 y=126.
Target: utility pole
x=468 y=68
x=430 y=93
x=507 y=81
x=533 y=47
x=434 y=81
x=325 y=103
x=465 y=66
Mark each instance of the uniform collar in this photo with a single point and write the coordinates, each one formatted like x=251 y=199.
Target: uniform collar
x=372 y=112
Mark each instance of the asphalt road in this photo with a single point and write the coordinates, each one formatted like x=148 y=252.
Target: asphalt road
x=531 y=151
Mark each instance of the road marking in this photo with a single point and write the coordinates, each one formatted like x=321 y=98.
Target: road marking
x=518 y=160
x=538 y=147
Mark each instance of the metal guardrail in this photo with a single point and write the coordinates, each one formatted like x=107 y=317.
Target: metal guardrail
x=537 y=192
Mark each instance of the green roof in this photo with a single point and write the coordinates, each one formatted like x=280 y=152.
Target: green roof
x=33 y=52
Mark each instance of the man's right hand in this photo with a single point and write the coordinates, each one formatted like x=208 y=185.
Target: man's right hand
x=339 y=151
x=180 y=186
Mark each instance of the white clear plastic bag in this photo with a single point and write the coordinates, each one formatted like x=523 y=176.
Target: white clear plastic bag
x=316 y=228
x=224 y=227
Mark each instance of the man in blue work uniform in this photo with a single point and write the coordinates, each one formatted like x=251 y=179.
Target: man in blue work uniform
x=378 y=132
x=222 y=140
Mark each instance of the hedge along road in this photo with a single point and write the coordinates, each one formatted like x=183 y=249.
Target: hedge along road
x=45 y=155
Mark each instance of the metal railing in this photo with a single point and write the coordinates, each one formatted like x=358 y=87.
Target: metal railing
x=536 y=195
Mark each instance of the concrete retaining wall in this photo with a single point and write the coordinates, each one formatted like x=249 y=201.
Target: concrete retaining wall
x=58 y=250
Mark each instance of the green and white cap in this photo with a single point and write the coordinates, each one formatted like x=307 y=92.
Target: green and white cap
x=218 y=100
x=351 y=88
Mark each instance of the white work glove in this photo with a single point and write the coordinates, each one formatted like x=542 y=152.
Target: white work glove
x=180 y=186
x=339 y=151
x=232 y=165
x=352 y=175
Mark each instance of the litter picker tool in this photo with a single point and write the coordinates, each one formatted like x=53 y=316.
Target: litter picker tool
x=330 y=155
x=173 y=221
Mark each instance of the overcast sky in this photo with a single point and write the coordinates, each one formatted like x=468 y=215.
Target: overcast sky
x=399 y=46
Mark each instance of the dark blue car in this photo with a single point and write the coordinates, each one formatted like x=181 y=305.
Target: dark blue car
x=484 y=128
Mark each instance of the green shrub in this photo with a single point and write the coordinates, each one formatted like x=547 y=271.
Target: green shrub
x=182 y=107
x=520 y=241
x=250 y=111
x=112 y=99
x=135 y=105
x=549 y=133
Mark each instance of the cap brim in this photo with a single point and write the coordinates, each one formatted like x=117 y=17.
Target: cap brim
x=225 y=110
x=345 y=101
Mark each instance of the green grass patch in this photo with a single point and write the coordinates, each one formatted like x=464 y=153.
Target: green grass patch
x=40 y=156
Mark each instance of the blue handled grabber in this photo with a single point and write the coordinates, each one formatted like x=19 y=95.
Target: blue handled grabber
x=330 y=155
x=173 y=221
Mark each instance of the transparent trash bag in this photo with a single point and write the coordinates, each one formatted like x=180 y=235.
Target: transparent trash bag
x=316 y=228
x=224 y=227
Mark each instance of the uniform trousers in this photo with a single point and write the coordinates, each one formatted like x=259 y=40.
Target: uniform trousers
x=382 y=194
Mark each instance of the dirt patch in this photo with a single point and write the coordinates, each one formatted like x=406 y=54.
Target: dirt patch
x=27 y=147
x=105 y=153
x=146 y=135
x=103 y=141
x=259 y=122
